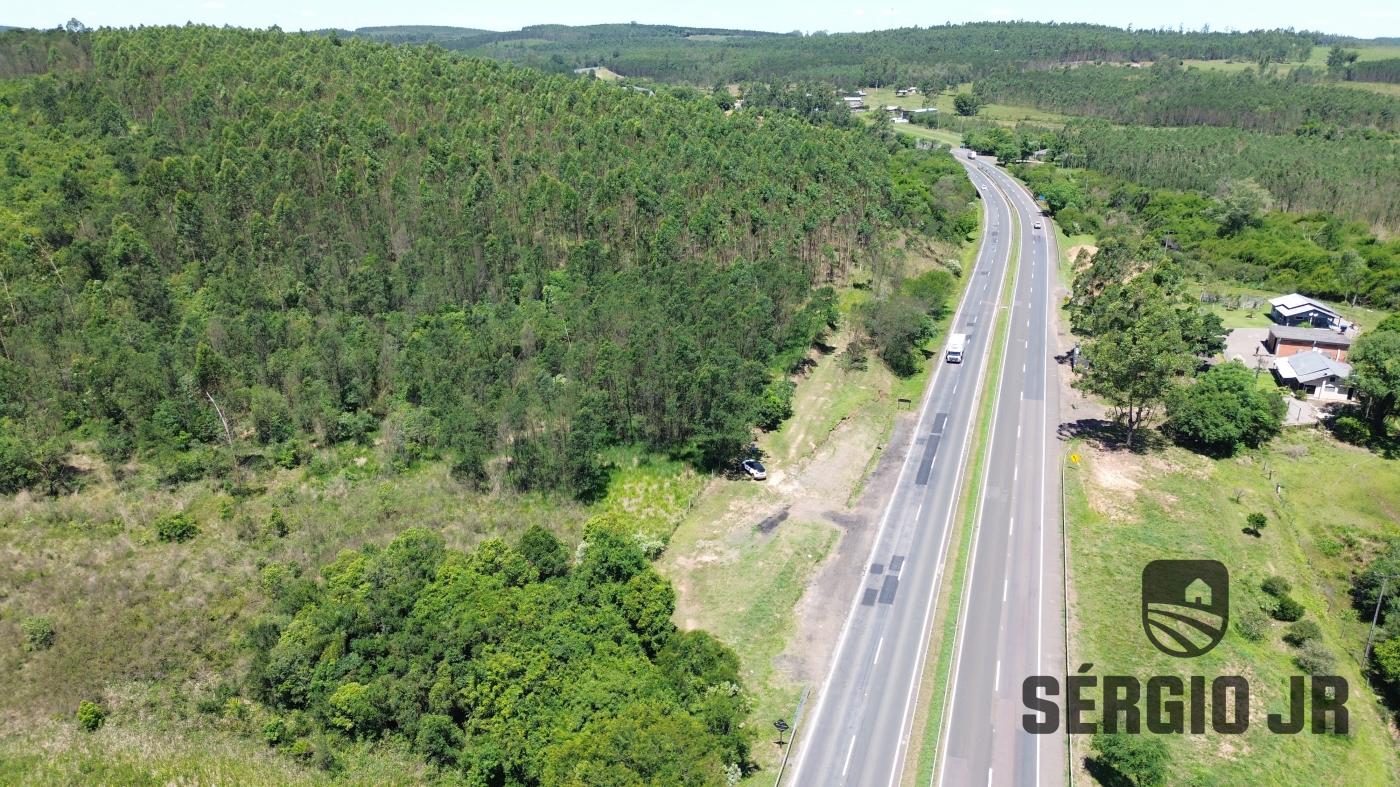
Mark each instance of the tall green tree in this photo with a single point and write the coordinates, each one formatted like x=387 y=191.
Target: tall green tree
x=1223 y=410
x=1134 y=366
x=1375 y=361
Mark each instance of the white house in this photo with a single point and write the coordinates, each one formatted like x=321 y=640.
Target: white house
x=1321 y=376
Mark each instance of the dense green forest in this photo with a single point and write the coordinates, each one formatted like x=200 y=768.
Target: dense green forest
x=506 y=665
x=946 y=53
x=267 y=242
x=1387 y=70
x=1168 y=95
x=1345 y=173
x=1232 y=234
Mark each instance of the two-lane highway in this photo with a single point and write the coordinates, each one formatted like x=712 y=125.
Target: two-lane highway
x=858 y=733
x=1011 y=623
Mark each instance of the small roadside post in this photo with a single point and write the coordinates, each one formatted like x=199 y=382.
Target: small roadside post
x=782 y=727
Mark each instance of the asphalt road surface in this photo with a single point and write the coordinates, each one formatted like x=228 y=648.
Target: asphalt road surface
x=1012 y=612
x=858 y=733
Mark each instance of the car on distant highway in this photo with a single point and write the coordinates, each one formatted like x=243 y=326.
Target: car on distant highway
x=1036 y=225
x=755 y=469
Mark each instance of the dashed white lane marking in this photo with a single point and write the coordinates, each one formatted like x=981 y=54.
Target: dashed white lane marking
x=997 y=687
x=849 y=750
x=878 y=646
x=1005 y=583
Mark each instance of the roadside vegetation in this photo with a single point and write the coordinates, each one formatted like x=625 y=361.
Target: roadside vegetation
x=229 y=444
x=1335 y=511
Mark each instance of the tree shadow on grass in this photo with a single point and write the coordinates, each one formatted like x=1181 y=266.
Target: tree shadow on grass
x=1111 y=436
x=1106 y=775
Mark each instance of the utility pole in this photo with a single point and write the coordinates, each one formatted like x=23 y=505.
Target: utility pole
x=1385 y=580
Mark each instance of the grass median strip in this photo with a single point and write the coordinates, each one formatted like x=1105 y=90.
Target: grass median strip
x=936 y=671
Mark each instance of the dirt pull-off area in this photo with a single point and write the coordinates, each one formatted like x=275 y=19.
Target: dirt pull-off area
x=1088 y=251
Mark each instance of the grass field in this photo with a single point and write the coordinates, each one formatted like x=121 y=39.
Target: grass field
x=147 y=627
x=1125 y=510
x=1259 y=317
x=1006 y=114
x=1318 y=59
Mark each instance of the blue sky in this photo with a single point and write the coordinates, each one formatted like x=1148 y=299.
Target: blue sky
x=1366 y=18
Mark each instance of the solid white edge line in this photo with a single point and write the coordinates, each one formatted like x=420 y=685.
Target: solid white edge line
x=943 y=542
x=951 y=695
x=889 y=506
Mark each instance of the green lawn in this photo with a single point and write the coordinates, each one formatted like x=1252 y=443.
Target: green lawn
x=1126 y=510
x=1006 y=114
x=1259 y=316
x=1318 y=59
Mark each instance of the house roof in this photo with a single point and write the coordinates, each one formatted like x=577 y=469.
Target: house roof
x=1310 y=335
x=1311 y=366
x=1293 y=303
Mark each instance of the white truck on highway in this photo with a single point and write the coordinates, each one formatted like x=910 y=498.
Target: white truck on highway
x=956 y=344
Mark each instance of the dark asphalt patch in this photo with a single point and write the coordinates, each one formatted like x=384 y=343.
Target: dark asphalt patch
x=869 y=600
x=926 y=464
x=888 y=589
x=877 y=568
x=938 y=421
x=896 y=563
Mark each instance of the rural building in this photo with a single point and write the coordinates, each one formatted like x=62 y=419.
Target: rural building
x=906 y=91
x=1295 y=309
x=1319 y=375
x=1286 y=340
x=930 y=111
x=897 y=114
x=854 y=103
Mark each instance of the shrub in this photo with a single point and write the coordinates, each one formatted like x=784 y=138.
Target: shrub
x=1350 y=429
x=1315 y=659
x=544 y=551
x=854 y=357
x=277 y=524
x=775 y=405
x=272 y=419
x=90 y=715
x=17 y=469
x=1140 y=759
x=1302 y=632
x=1288 y=609
x=176 y=528
x=38 y=633
x=1223 y=410
x=1276 y=586
x=1256 y=522
x=1386 y=655
x=1251 y=624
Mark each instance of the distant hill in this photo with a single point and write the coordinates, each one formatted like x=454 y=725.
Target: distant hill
x=954 y=53
x=409 y=34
